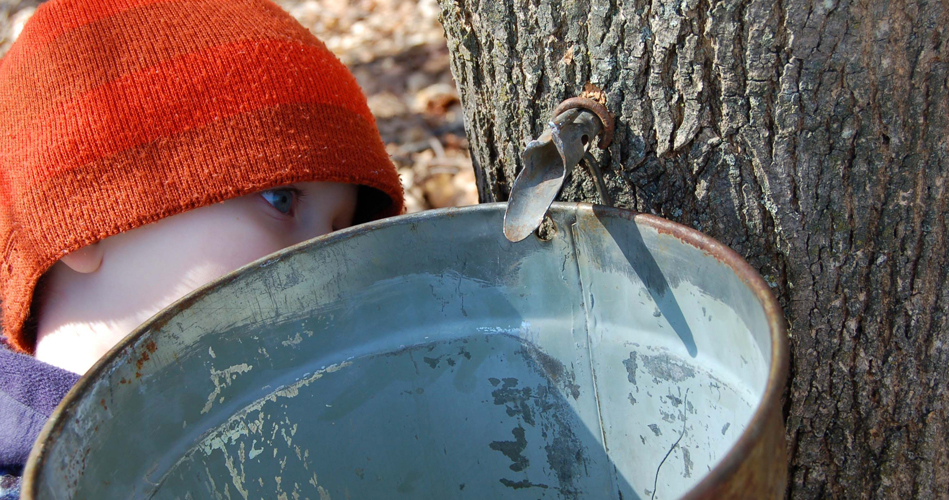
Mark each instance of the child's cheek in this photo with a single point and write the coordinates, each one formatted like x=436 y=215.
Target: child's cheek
x=242 y=234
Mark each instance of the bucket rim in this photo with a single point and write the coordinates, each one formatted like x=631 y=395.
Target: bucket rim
x=726 y=467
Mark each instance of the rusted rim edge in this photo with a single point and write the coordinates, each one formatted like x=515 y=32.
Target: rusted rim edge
x=727 y=466
x=780 y=354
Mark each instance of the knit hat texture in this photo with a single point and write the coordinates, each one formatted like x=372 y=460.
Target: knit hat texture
x=117 y=113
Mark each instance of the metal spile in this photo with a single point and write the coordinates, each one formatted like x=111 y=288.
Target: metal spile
x=548 y=158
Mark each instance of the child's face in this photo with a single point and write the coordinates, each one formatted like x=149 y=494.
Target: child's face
x=96 y=296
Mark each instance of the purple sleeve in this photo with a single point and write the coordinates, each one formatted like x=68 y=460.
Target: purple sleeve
x=29 y=391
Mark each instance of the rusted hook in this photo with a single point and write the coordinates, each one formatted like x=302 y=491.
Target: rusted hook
x=606 y=118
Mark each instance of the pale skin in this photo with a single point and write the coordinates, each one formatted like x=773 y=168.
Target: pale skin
x=97 y=295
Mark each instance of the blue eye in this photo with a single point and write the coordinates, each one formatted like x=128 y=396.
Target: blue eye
x=281 y=199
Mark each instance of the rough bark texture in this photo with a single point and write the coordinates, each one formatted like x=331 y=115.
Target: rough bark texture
x=810 y=136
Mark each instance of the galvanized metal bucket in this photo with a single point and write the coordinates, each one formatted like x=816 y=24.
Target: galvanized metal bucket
x=426 y=356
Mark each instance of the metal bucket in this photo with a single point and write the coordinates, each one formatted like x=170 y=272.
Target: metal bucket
x=426 y=356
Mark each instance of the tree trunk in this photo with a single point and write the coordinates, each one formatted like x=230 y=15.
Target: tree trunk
x=811 y=136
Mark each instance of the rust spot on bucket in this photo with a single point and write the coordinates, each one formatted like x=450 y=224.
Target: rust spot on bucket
x=141 y=360
x=150 y=347
x=102 y=402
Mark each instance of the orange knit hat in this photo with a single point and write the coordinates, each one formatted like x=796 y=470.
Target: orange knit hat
x=117 y=113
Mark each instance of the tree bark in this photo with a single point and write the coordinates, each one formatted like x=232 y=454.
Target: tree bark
x=811 y=136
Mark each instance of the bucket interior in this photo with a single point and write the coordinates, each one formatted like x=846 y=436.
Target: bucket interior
x=428 y=357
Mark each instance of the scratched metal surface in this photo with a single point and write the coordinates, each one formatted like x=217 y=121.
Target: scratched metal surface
x=428 y=357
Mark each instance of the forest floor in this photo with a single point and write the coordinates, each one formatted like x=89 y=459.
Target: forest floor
x=397 y=50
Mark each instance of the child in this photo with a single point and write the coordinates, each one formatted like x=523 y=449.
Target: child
x=146 y=148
